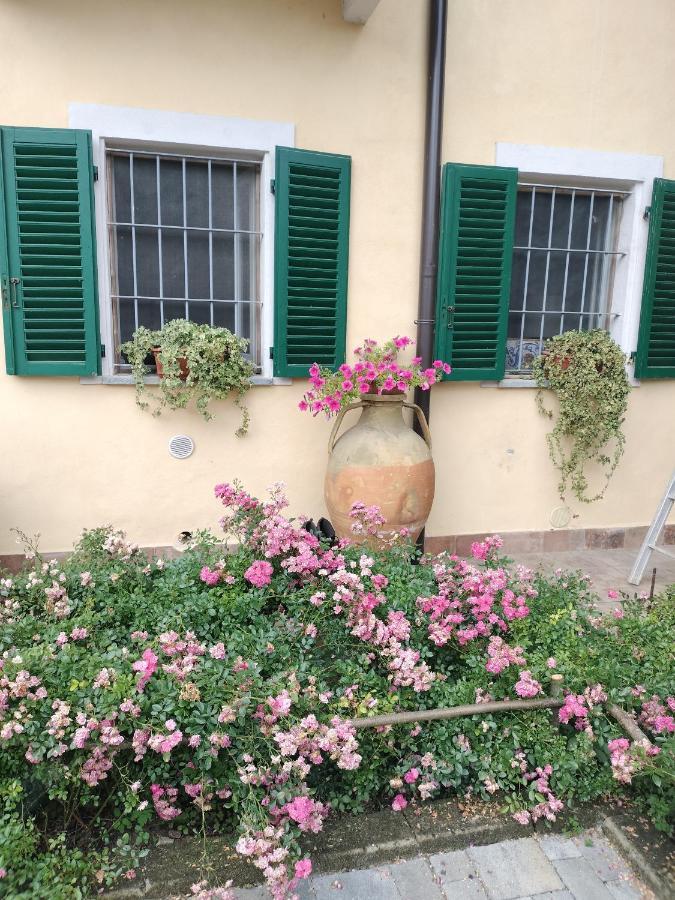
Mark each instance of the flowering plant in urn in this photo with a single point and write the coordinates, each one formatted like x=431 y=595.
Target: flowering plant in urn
x=380 y=462
x=376 y=371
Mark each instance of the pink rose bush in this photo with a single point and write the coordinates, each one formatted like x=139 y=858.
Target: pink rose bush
x=377 y=370
x=219 y=690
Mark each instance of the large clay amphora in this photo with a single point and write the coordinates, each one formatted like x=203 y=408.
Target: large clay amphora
x=381 y=461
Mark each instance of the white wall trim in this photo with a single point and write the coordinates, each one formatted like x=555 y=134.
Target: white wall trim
x=250 y=136
x=630 y=171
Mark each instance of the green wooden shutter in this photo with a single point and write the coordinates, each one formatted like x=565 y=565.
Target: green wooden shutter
x=50 y=313
x=478 y=211
x=656 y=340
x=311 y=253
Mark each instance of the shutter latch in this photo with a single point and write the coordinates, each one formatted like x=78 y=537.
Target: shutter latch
x=451 y=316
x=12 y=291
x=271 y=352
x=647 y=213
x=273 y=185
x=95 y=168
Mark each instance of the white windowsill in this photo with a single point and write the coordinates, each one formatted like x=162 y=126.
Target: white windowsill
x=530 y=383
x=256 y=380
x=510 y=383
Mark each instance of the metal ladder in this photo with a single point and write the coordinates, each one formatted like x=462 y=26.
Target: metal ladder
x=652 y=536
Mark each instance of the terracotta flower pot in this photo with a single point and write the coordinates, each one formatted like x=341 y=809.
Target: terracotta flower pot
x=381 y=461
x=182 y=363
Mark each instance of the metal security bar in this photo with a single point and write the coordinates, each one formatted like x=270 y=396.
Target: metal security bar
x=564 y=258
x=184 y=237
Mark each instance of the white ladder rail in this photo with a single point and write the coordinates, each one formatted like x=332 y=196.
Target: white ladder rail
x=652 y=536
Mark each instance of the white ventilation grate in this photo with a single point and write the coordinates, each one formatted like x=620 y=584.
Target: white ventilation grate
x=181 y=446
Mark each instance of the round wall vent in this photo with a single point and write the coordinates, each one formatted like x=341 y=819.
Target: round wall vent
x=560 y=517
x=181 y=446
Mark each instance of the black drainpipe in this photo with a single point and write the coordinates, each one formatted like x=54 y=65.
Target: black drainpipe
x=438 y=10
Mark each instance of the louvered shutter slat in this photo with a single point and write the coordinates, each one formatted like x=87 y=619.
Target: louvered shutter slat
x=655 y=356
x=311 y=256
x=477 y=224
x=50 y=316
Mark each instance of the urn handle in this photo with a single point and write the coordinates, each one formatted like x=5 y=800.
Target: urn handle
x=338 y=422
x=422 y=419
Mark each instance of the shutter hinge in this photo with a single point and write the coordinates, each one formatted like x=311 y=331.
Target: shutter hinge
x=273 y=185
x=647 y=213
x=102 y=351
x=271 y=352
x=95 y=169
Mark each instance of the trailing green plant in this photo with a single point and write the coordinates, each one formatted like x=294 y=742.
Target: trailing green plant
x=586 y=372
x=199 y=362
x=215 y=691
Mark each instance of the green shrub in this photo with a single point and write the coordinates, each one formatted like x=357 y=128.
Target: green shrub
x=216 y=691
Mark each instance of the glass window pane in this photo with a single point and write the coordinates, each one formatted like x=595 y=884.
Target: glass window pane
x=145 y=190
x=224 y=315
x=147 y=262
x=171 y=191
x=575 y=281
x=222 y=191
x=541 y=220
x=149 y=314
x=246 y=198
x=171 y=263
x=556 y=281
x=582 y=208
x=561 y=219
x=197 y=194
x=518 y=272
x=571 y=289
x=198 y=264
x=173 y=309
x=523 y=209
x=536 y=278
x=599 y=233
x=121 y=189
x=223 y=266
x=125 y=264
x=247 y=264
x=127 y=320
x=173 y=270
x=199 y=312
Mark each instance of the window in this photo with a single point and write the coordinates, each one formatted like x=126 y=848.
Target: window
x=565 y=254
x=169 y=232
x=184 y=237
x=548 y=240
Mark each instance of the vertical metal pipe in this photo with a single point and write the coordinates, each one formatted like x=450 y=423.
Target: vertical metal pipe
x=431 y=189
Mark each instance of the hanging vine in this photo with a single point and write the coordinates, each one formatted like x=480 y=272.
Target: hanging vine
x=586 y=372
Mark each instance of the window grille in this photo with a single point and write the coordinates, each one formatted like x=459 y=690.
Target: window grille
x=184 y=239
x=564 y=258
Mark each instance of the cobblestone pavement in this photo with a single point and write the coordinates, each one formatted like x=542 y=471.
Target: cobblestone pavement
x=543 y=867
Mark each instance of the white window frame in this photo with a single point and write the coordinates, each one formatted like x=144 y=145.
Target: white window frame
x=257 y=139
x=618 y=171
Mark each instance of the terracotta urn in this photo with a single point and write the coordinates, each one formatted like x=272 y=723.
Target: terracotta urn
x=380 y=461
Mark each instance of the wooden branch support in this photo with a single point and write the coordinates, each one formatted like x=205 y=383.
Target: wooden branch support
x=456 y=712
x=627 y=722
x=555 y=701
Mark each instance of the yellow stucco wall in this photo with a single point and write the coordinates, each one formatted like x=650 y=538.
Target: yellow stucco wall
x=596 y=74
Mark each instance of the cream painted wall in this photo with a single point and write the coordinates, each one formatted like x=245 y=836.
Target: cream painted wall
x=585 y=73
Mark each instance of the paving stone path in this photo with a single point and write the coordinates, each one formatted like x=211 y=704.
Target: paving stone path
x=535 y=868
